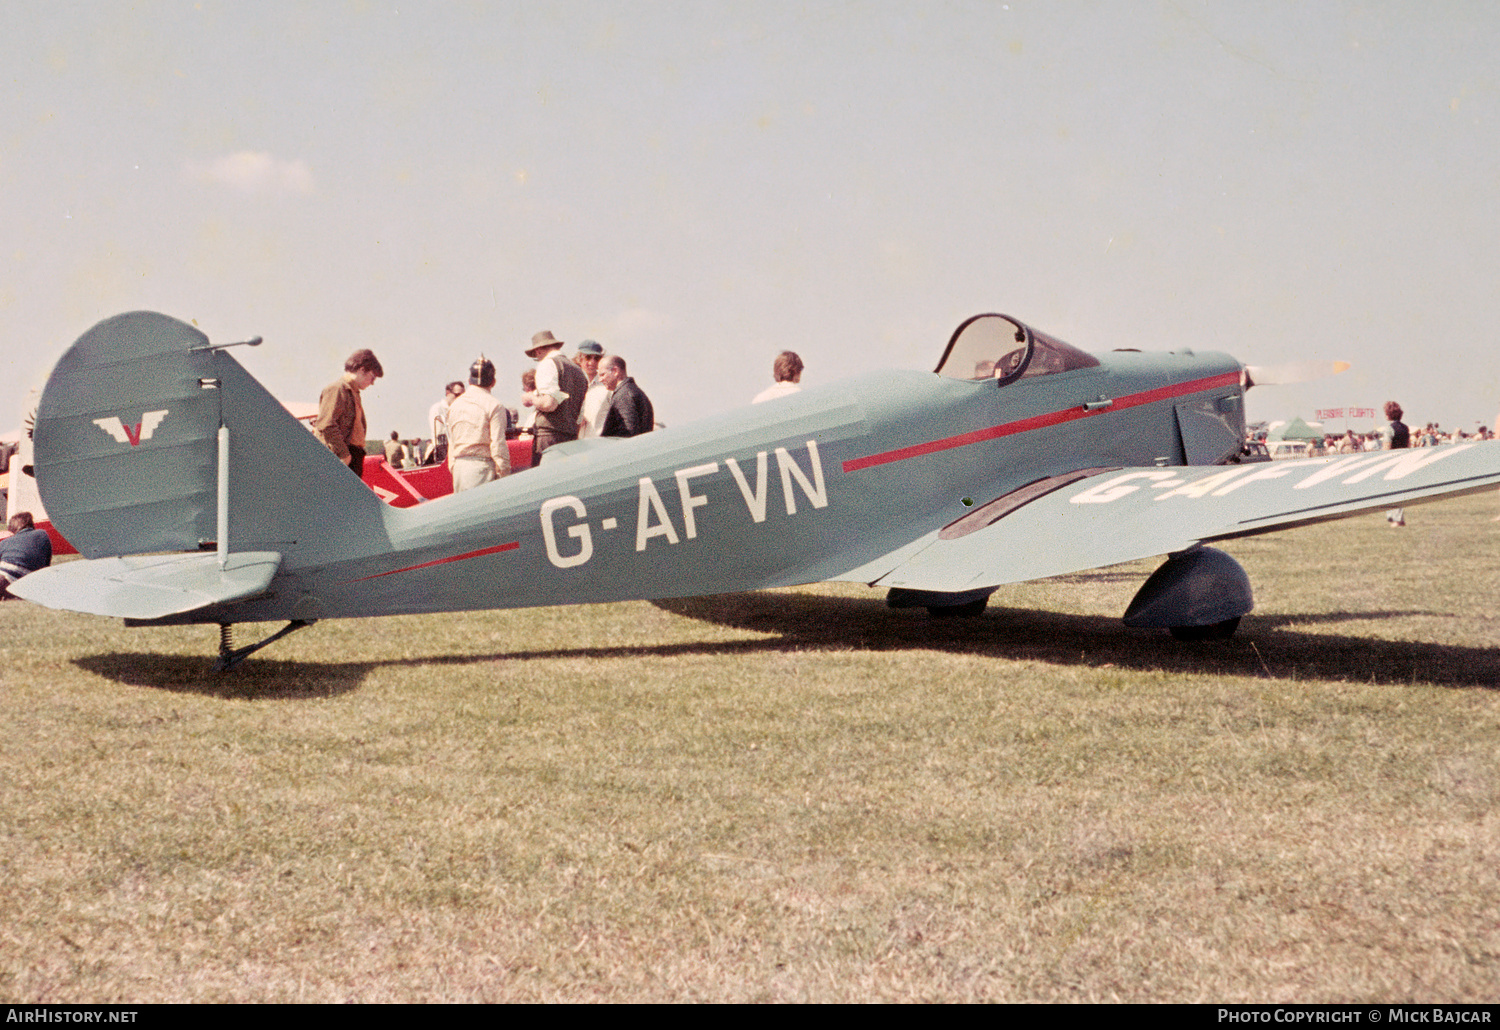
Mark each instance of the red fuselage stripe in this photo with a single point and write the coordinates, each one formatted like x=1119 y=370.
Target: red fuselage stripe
x=1053 y=418
x=443 y=561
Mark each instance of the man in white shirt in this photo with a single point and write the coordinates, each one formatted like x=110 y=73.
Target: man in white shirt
x=596 y=401
x=477 y=452
x=787 y=370
x=558 y=397
x=437 y=425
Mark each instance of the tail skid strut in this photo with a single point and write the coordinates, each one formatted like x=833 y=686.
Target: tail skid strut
x=229 y=657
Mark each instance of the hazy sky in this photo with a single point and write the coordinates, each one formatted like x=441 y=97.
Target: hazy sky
x=699 y=185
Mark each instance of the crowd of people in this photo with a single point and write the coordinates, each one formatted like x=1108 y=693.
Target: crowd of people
x=591 y=394
x=1354 y=442
x=1394 y=435
x=1430 y=435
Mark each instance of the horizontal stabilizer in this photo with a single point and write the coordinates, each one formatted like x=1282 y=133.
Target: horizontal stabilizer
x=149 y=586
x=1125 y=514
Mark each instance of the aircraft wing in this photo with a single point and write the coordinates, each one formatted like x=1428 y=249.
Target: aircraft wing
x=149 y=586
x=1104 y=517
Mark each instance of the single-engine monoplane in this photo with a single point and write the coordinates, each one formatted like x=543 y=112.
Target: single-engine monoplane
x=195 y=497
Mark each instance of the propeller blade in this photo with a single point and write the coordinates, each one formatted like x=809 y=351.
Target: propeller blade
x=1293 y=372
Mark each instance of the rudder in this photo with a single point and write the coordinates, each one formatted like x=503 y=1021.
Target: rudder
x=127 y=450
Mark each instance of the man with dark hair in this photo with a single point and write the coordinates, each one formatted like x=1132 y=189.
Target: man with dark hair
x=26 y=551
x=477 y=452
x=787 y=371
x=395 y=451
x=558 y=397
x=437 y=424
x=629 y=412
x=341 y=416
x=1393 y=437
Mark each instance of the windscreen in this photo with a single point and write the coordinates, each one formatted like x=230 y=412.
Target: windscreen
x=997 y=347
x=1050 y=355
x=986 y=347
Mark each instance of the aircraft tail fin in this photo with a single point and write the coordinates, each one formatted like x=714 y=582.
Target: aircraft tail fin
x=130 y=457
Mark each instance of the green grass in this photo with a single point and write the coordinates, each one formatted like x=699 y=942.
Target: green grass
x=792 y=795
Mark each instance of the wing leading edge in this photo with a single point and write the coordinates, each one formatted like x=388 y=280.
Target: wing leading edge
x=1121 y=515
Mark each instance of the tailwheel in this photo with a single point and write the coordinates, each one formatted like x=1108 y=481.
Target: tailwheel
x=1214 y=631
x=230 y=656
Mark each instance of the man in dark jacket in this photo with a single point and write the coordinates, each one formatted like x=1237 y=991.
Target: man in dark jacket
x=27 y=550
x=630 y=412
x=1394 y=437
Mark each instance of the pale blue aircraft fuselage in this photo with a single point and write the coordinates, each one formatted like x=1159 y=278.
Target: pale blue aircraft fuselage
x=820 y=485
x=151 y=442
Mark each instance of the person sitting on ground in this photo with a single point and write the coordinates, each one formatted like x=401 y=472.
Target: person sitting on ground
x=25 y=551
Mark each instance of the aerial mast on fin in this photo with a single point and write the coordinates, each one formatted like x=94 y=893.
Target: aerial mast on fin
x=229 y=656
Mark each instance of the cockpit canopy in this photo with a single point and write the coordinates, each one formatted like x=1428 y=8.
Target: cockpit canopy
x=1000 y=348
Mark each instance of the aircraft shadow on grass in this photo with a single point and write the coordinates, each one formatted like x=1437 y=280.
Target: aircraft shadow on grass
x=263 y=680
x=1267 y=647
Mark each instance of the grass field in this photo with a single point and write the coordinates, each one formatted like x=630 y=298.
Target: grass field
x=793 y=795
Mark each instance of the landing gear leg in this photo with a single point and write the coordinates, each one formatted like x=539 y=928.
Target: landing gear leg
x=229 y=657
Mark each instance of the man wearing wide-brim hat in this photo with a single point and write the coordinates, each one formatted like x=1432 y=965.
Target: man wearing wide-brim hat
x=558 y=397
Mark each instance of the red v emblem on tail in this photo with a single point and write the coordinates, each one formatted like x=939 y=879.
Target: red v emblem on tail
x=132 y=435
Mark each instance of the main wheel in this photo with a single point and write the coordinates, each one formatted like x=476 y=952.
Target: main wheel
x=1214 y=631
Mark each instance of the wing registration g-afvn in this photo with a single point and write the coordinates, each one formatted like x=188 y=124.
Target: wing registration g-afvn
x=1020 y=457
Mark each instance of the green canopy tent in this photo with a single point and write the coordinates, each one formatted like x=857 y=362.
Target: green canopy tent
x=1296 y=429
